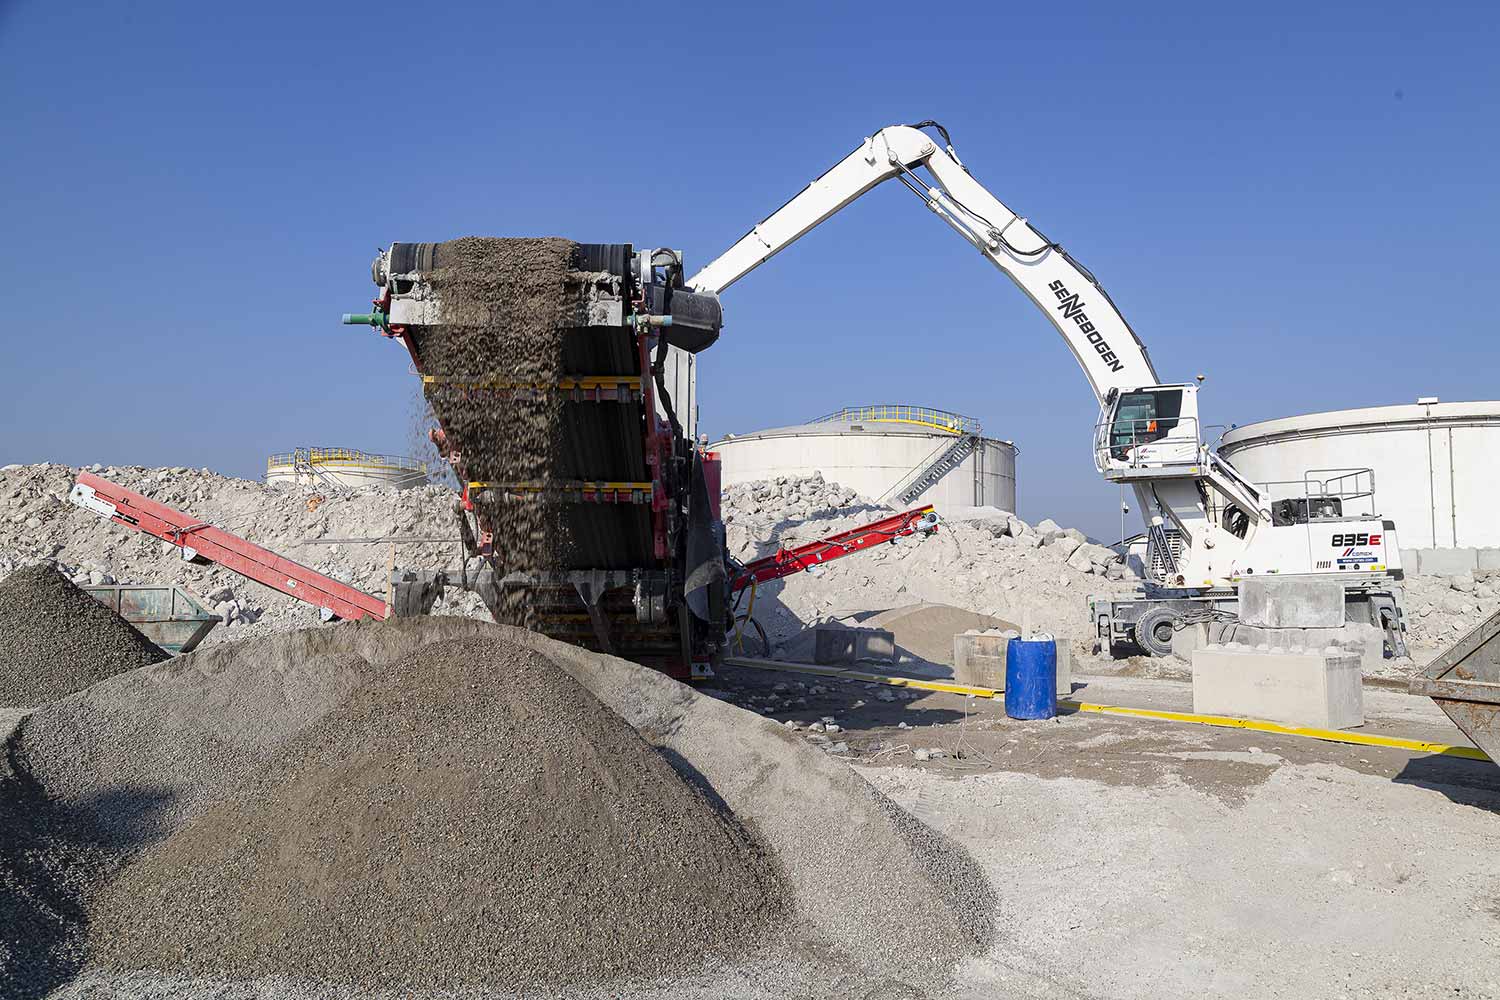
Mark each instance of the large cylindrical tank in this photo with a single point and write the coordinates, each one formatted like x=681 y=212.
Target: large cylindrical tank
x=1435 y=472
x=344 y=468
x=894 y=453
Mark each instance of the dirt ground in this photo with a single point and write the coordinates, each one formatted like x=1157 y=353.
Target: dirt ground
x=1137 y=858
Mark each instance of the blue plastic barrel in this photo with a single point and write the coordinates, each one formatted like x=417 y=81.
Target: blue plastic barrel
x=1031 y=679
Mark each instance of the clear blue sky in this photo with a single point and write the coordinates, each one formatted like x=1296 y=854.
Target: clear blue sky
x=1299 y=201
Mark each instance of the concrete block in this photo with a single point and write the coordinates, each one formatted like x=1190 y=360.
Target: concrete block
x=1185 y=640
x=979 y=660
x=981 y=671
x=1298 y=689
x=1284 y=602
x=1064 y=668
x=1366 y=640
x=835 y=645
x=1447 y=562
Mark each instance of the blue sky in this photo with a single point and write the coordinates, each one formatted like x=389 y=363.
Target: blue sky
x=1298 y=201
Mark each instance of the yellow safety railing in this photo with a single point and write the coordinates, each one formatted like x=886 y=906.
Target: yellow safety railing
x=903 y=413
x=344 y=456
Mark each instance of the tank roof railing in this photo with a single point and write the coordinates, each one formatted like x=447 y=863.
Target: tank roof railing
x=904 y=413
x=344 y=456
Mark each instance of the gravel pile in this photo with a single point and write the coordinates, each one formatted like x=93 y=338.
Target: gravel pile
x=155 y=744
x=470 y=815
x=47 y=861
x=59 y=640
x=402 y=808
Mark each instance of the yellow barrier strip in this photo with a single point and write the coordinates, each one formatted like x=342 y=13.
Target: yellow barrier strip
x=1263 y=726
x=1218 y=721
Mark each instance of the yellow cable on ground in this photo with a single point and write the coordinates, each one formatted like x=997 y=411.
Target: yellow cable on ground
x=1219 y=721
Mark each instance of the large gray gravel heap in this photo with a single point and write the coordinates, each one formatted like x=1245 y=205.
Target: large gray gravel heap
x=57 y=639
x=470 y=815
x=874 y=903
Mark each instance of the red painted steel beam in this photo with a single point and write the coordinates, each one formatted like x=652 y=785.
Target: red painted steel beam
x=788 y=561
x=132 y=510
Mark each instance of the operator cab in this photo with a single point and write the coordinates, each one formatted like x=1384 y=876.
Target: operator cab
x=1150 y=427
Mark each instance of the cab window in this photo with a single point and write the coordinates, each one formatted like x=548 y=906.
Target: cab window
x=1143 y=417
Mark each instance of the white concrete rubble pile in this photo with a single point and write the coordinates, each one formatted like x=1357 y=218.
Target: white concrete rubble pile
x=37 y=523
x=1440 y=609
x=982 y=559
x=995 y=563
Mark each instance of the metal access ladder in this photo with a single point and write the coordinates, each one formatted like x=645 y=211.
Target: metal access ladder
x=926 y=476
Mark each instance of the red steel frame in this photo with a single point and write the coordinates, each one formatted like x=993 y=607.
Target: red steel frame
x=788 y=561
x=230 y=551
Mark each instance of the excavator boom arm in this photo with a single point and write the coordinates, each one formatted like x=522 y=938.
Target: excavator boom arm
x=1111 y=355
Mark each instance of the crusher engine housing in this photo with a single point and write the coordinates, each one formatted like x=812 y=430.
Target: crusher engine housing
x=638 y=499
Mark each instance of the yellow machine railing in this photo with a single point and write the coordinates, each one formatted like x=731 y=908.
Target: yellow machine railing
x=903 y=413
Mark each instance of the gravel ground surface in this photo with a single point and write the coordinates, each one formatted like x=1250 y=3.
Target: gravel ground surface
x=1144 y=859
x=470 y=815
x=1311 y=880
x=59 y=640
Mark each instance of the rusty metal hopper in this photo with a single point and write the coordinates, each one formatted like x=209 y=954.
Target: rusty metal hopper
x=1465 y=683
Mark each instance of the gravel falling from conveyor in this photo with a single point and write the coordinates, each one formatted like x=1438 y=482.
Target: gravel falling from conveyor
x=505 y=304
x=470 y=815
x=57 y=639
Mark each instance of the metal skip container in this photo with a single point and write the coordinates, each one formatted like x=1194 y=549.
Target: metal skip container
x=1465 y=683
x=167 y=616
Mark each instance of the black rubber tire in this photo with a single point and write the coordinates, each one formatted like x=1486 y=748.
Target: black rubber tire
x=1153 y=631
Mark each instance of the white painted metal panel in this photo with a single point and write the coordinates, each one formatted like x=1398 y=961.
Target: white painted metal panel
x=873 y=461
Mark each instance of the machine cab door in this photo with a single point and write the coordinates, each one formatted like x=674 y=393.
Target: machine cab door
x=1152 y=426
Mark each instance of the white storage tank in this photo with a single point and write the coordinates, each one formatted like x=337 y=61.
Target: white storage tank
x=344 y=468
x=1435 y=472
x=896 y=453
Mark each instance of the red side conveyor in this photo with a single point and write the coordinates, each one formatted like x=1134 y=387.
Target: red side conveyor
x=919 y=520
x=202 y=541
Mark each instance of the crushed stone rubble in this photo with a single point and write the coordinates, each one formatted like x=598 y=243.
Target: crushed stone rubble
x=38 y=524
x=985 y=560
x=988 y=560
